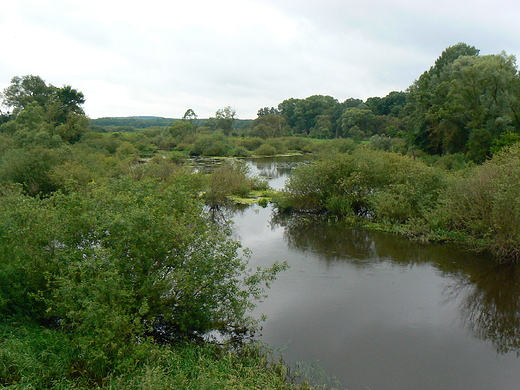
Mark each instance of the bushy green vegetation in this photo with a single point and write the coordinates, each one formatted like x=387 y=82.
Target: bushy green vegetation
x=231 y=178
x=34 y=357
x=112 y=273
x=485 y=205
x=477 y=206
x=366 y=182
x=465 y=104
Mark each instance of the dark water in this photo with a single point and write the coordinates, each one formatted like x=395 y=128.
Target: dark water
x=379 y=312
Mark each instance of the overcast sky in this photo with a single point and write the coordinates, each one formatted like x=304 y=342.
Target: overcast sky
x=159 y=57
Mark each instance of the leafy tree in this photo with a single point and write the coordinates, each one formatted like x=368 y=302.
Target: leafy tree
x=181 y=129
x=464 y=102
x=190 y=117
x=317 y=114
x=358 y=122
x=69 y=101
x=267 y=111
x=351 y=102
x=287 y=109
x=225 y=118
x=39 y=108
x=390 y=105
x=269 y=126
x=26 y=89
x=426 y=97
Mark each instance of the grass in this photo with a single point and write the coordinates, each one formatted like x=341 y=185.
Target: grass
x=33 y=357
x=262 y=198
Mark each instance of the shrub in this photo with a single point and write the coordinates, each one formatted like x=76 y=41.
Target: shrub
x=240 y=151
x=367 y=182
x=250 y=143
x=487 y=206
x=266 y=150
x=230 y=178
x=121 y=262
x=215 y=144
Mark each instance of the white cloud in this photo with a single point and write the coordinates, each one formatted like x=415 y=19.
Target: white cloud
x=160 y=58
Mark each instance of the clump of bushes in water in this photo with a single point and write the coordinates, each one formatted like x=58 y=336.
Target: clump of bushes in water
x=399 y=193
x=231 y=178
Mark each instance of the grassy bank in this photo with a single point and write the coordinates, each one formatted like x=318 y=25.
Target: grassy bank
x=33 y=357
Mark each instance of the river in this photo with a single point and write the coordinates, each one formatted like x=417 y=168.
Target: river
x=377 y=311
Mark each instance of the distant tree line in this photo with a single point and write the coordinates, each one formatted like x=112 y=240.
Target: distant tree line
x=466 y=103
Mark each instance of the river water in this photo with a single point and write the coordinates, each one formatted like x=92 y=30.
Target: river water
x=376 y=311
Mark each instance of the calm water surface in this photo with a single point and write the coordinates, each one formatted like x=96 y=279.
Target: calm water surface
x=379 y=312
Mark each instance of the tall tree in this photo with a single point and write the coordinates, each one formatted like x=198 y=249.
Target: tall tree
x=26 y=89
x=465 y=104
x=269 y=126
x=225 y=119
x=426 y=98
x=58 y=102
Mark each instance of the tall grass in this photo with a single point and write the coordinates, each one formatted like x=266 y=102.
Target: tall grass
x=32 y=357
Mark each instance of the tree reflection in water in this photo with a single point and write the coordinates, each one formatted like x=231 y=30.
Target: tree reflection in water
x=487 y=294
x=490 y=304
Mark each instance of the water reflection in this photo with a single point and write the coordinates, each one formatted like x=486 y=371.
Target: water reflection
x=486 y=294
x=275 y=169
x=490 y=304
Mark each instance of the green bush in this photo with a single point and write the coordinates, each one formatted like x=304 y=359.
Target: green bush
x=230 y=178
x=215 y=144
x=120 y=262
x=369 y=183
x=250 y=143
x=266 y=150
x=240 y=151
x=486 y=205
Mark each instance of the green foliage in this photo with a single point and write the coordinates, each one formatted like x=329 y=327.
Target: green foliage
x=506 y=139
x=269 y=126
x=225 y=119
x=58 y=104
x=465 y=102
x=25 y=90
x=266 y=150
x=215 y=144
x=370 y=183
x=120 y=262
x=33 y=357
x=486 y=205
x=32 y=168
x=230 y=178
x=315 y=114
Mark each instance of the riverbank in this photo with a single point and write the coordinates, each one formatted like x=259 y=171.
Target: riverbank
x=40 y=358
